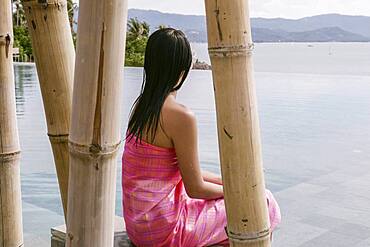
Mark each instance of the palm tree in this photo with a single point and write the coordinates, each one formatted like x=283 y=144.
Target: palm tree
x=146 y=28
x=162 y=26
x=137 y=29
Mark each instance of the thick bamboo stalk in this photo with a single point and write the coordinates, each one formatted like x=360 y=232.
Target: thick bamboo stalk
x=95 y=126
x=230 y=49
x=54 y=53
x=10 y=187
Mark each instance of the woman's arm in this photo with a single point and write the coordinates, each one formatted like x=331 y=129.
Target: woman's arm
x=211 y=177
x=183 y=131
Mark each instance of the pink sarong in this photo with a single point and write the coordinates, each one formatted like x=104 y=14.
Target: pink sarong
x=157 y=210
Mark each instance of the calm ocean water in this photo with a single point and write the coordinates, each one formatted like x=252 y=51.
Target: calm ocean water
x=314 y=110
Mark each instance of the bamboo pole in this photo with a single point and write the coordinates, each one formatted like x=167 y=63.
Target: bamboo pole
x=10 y=187
x=53 y=48
x=230 y=49
x=95 y=127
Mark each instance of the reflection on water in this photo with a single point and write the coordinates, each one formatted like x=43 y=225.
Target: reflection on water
x=24 y=77
x=311 y=125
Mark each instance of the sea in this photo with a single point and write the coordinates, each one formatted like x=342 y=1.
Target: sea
x=313 y=101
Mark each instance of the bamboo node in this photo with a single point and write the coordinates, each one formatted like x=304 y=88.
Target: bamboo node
x=247 y=237
x=93 y=149
x=62 y=138
x=4 y=157
x=231 y=51
x=45 y=3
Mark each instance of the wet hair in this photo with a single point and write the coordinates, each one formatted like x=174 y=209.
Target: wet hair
x=168 y=56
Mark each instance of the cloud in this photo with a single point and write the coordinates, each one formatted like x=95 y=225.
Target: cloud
x=264 y=8
x=300 y=8
x=171 y=6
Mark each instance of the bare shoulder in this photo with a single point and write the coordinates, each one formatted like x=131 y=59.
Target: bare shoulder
x=178 y=118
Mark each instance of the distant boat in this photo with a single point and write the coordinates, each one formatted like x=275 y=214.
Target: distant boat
x=309 y=45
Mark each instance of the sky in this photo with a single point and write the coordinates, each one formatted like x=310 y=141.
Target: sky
x=292 y=9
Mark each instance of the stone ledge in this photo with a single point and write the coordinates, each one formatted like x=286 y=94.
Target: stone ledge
x=121 y=239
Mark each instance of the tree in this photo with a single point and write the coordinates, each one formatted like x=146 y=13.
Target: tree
x=22 y=40
x=137 y=29
x=137 y=34
x=162 y=26
x=137 y=37
x=71 y=8
x=19 y=18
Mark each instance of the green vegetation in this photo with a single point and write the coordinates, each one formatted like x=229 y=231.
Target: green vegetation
x=22 y=39
x=71 y=8
x=162 y=26
x=137 y=37
x=23 y=42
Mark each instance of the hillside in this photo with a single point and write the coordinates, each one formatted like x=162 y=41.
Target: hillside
x=327 y=34
x=321 y=28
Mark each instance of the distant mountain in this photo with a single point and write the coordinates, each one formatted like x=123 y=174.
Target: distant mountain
x=156 y=18
x=326 y=34
x=354 y=24
x=321 y=28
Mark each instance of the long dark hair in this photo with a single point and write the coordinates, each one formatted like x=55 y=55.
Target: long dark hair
x=168 y=56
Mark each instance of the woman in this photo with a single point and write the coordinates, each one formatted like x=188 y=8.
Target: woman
x=167 y=199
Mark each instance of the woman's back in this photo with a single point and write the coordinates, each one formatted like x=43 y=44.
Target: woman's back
x=157 y=210
x=167 y=199
x=152 y=192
